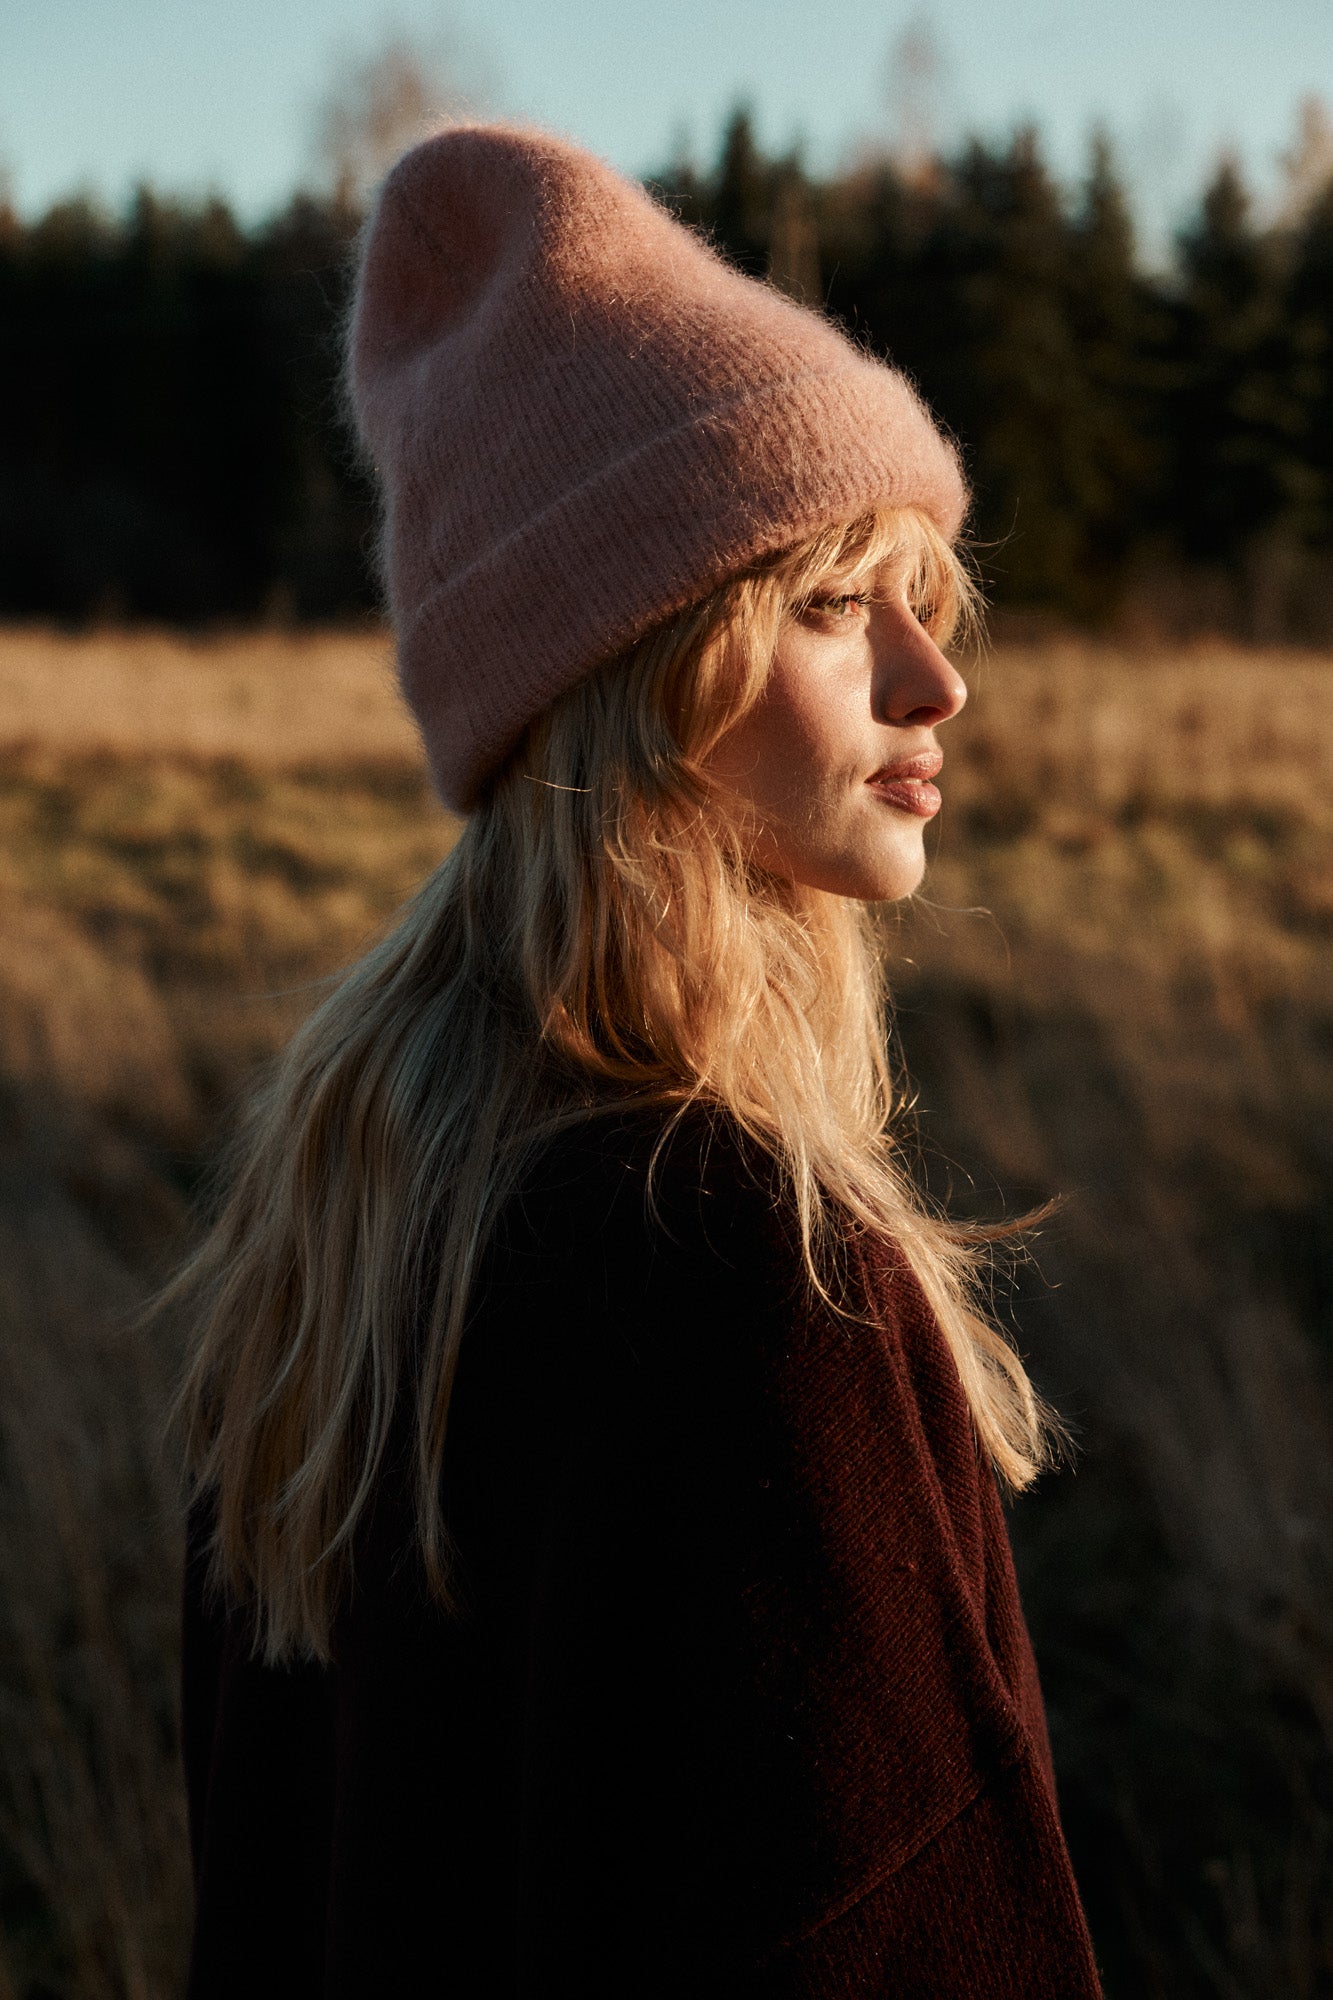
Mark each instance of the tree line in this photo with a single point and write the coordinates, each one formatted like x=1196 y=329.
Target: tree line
x=1142 y=442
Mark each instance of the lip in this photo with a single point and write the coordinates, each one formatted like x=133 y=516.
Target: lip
x=907 y=783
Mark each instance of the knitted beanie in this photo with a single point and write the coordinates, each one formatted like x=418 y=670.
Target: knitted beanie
x=583 y=419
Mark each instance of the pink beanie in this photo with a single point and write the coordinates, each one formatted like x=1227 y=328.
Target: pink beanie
x=583 y=419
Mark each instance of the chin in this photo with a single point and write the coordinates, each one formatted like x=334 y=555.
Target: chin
x=882 y=884
x=888 y=878
x=864 y=872
x=894 y=891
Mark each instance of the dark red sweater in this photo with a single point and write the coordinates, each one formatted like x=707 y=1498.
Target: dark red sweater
x=744 y=1703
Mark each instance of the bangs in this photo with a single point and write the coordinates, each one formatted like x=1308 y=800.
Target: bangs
x=891 y=551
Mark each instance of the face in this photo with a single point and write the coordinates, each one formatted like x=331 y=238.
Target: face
x=832 y=766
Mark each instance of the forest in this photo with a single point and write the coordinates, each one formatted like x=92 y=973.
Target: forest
x=1151 y=448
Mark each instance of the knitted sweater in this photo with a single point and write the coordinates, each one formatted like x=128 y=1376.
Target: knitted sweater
x=743 y=1703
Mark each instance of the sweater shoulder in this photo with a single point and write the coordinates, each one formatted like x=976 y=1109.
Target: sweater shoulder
x=673 y=1152
x=652 y=1193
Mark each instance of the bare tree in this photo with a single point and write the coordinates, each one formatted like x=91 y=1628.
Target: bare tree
x=1307 y=168
x=793 y=256
x=914 y=94
x=379 y=103
x=8 y=198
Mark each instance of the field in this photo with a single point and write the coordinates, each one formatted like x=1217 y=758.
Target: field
x=1116 y=984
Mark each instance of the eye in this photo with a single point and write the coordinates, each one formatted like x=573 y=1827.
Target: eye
x=840 y=606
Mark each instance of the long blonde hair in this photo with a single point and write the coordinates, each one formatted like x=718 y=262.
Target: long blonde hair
x=595 y=934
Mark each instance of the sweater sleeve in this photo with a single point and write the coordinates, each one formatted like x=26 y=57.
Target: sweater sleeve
x=257 y=1744
x=765 y=1747
x=987 y=1907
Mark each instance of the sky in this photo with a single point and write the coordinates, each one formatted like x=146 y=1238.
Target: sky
x=201 y=95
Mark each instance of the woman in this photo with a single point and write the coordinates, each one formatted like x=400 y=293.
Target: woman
x=598 y=1580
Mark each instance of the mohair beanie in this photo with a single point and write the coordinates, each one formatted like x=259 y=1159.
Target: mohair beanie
x=583 y=419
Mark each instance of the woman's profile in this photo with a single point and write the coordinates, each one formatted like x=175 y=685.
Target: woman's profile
x=597 y=1576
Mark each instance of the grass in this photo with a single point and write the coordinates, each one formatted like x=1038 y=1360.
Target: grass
x=1117 y=984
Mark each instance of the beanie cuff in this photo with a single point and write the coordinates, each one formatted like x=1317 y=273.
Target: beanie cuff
x=552 y=601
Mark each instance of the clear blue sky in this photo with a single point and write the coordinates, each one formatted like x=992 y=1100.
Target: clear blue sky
x=193 y=94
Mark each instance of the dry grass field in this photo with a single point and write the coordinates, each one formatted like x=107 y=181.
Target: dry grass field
x=1117 y=984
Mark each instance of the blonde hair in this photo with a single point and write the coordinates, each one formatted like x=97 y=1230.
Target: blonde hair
x=597 y=933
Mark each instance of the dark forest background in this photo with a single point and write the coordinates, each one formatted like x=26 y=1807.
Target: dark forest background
x=1151 y=447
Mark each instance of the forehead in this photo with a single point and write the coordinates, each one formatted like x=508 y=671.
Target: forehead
x=880 y=569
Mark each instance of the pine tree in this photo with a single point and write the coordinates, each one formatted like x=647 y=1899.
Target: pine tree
x=1233 y=419
x=1309 y=317
x=1005 y=368
x=321 y=510
x=874 y=227
x=1114 y=462
x=740 y=197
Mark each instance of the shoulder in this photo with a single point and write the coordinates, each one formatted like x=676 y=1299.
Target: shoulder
x=642 y=1255
x=698 y=1145
x=671 y=1205
x=655 y=1187
x=638 y=1256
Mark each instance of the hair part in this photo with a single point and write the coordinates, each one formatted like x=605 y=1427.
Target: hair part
x=597 y=934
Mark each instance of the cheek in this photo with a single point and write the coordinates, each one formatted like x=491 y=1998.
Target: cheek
x=795 y=754
x=752 y=756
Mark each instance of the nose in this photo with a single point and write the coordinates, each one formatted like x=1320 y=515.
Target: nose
x=913 y=682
